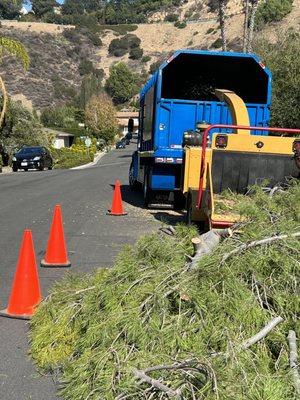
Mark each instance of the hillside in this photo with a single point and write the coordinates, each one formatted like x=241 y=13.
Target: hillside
x=54 y=75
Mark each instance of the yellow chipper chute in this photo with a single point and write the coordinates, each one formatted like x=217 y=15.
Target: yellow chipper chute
x=234 y=161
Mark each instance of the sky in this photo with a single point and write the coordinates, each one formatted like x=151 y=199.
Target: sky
x=28 y=6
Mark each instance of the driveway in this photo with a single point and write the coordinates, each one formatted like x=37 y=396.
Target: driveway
x=93 y=238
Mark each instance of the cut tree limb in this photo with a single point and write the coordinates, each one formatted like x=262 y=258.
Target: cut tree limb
x=206 y=243
x=256 y=243
x=261 y=334
x=155 y=383
x=294 y=360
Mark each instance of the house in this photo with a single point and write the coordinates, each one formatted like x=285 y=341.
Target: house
x=123 y=118
x=61 y=139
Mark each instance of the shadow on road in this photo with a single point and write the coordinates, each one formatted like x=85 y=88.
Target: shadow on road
x=135 y=198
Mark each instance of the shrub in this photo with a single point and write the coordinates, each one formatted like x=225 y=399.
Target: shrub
x=180 y=24
x=85 y=67
x=119 y=52
x=210 y=30
x=136 y=53
x=272 y=11
x=145 y=59
x=126 y=43
x=71 y=157
x=171 y=17
x=216 y=44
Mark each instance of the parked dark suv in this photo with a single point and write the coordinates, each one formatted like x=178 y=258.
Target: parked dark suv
x=32 y=158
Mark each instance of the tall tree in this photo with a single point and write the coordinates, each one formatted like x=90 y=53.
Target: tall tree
x=100 y=117
x=41 y=7
x=246 y=20
x=222 y=20
x=122 y=84
x=254 y=6
x=10 y=9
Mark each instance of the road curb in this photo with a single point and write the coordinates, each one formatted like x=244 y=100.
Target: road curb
x=91 y=164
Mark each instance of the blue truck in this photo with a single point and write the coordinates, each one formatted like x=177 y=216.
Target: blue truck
x=178 y=97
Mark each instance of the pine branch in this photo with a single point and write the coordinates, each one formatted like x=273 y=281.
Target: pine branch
x=261 y=334
x=294 y=360
x=256 y=243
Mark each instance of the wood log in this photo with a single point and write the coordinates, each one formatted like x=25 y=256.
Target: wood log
x=206 y=243
x=294 y=360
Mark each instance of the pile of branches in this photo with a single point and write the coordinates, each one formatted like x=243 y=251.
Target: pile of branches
x=211 y=318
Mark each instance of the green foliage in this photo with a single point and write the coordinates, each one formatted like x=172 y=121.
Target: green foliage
x=272 y=11
x=62 y=117
x=122 y=84
x=136 y=53
x=100 y=118
x=180 y=24
x=145 y=59
x=41 y=7
x=91 y=85
x=9 y=9
x=216 y=44
x=171 y=17
x=150 y=310
x=22 y=127
x=85 y=67
x=283 y=59
x=72 y=157
x=210 y=30
x=62 y=90
x=123 y=45
x=14 y=48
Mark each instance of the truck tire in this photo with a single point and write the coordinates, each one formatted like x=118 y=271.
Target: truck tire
x=133 y=184
x=146 y=191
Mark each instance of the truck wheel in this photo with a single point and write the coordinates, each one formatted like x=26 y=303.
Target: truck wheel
x=15 y=169
x=146 y=191
x=133 y=184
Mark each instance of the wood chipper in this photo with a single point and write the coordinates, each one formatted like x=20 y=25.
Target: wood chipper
x=227 y=157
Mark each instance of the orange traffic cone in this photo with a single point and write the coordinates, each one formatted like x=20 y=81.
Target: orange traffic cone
x=56 y=253
x=117 y=206
x=25 y=294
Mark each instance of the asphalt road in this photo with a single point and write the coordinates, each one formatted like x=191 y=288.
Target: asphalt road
x=93 y=239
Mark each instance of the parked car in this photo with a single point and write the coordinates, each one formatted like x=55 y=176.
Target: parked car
x=120 y=144
x=36 y=157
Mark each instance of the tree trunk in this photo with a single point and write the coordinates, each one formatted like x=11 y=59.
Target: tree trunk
x=251 y=25
x=245 y=37
x=5 y=101
x=222 y=20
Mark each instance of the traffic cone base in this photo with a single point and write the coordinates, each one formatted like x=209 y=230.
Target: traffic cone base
x=25 y=294
x=56 y=253
x=117 y=206
x=44 y=264
x=109 y=212
x=4 y=313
